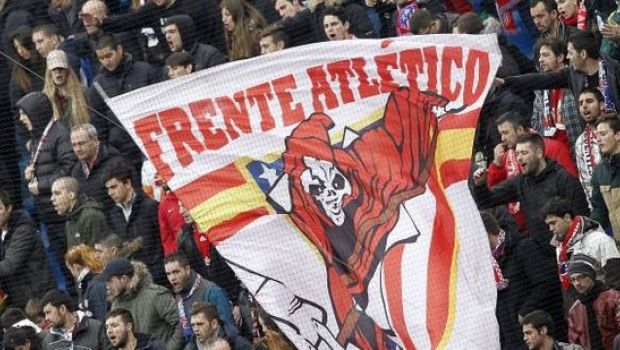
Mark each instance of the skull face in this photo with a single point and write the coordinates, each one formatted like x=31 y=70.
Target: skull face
x=327 y=185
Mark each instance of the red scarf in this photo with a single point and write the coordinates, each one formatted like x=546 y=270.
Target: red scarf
x=563 y=259
x=569 y=21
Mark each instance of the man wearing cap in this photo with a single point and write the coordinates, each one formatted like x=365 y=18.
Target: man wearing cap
x=591 y=321
x=129 y=286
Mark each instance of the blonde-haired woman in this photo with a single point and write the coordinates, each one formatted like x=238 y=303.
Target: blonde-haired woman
x=242 y=26
x=64 y=89
x=85 y=269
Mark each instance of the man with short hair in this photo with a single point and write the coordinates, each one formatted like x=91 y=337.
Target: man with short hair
x=189 y=288
x=591 y=321
x=546 y=18
x=70 y=329
x=46 y=37
x=129 y=286
x=424 y=22
x=86 y=222
x=108 y=248
x=179 y=64
x=119 y=328
x=181 y=36
x=208 y=330
x=606 y=176
x=575 y=234
x=298 y=22
x=587 y=152
x=336 y=25
x=133 y=216
x=272 y=39
x=538 y=333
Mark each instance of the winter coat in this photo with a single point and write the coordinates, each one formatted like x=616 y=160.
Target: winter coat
x=300 y=29
x=228 y=333
x=92 y=296
x=67 y=20
x=604 y=307
x=86 y=223
x=147 y=342
x=89 y=335
x=24 y=273
x=153 y=308
x=56 y=158
x=142 y=223
x=205 y=56
x=94 y=185
x=533 y=192
x=532 y=285
x=567 y=78
x=606 y=193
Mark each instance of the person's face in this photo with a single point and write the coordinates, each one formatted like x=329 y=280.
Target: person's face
x=558 y=225
x=567 y=8
x=119 y=191
x=178 y=71
x=187 y=217
x=110 y=58
x=582 y=283
x=608 y=141
x=509 y=134
x=227 y=19
x=178 y=275
x=529 y=157
x=117 y=331
x=21 y=50
x=59 y=76
x=589 y=107
x=23 y=117
x=267 y=45
x=5 y=213
x=335 y=29
x=104 y=254
x=62 y=200
x=532 y=337
x=548 y=60
x=55 y=315
x=203 y=328
x=90 y=12
x=44 y=43
x=576 y=58
x=84 y=147
x=116 y=285
x=543 y=19
x=173 y=37
x=285 y=8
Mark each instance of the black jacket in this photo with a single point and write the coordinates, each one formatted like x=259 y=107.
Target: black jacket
x=205 y=56
x=92 y=296
x=300 y=29
x=56 y=157
x=533 y=192
x=68 y=21
x=142 y=223
x=24 y=273
x=89 y=335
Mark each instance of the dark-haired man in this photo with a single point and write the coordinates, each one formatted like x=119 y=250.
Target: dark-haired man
x=538 y=333
x=336 y=25
x=179 y=64
x=119 y=326
x=209 y=330
x=587 y=152
x=272 y=39
x=546 y=18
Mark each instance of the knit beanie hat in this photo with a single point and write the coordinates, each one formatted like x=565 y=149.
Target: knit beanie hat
x=583 y=264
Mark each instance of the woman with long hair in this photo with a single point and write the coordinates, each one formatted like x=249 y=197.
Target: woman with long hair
x=85 y=268
x=28 y=65
x=65 y=90
x=242 y=26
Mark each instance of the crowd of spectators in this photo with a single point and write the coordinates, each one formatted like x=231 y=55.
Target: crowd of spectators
x=96 y=252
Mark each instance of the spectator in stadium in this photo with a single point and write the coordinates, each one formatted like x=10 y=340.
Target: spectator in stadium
x=610 y=31
x=95 y=160
x=134 y=215
x=538 y=333
x=70 y=329
x=272 y=39
x=189 y=288
x=242 y=26
x=575 y=234
x=51 y=159
x=179 y=64
x=587 y=152
x=555 y=114
x=606 y=176
x=91 y=289
x=64 y=14
x=426 y=22
x=112 y=246
x=86 y=221
x=611 y=271
x=181 y=36
x=539 y=180
x=567 y=10
x=35 y=313
x=65 y=90
x=297 y=23
x=47 y=37
x=14 y=317
x=591 y=321
x=119 y=74
x=22 y=338
x=24 y=77
x=546 y=18
x=129 y=287
x=170 y=219
x=336 y=25
x=354 y=13
x=119 y=325
x=588 y=67
x=209 y=329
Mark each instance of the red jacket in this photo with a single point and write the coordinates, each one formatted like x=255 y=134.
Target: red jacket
x=605 y=309
x=171 y=222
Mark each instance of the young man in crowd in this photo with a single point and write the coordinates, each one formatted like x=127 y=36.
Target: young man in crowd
x=546 y=18
x=209 y=330
x=179 y=64
x=336 y=25
x=272 y=39
x=297 y=22
x=119 y=329
x=538 y=333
